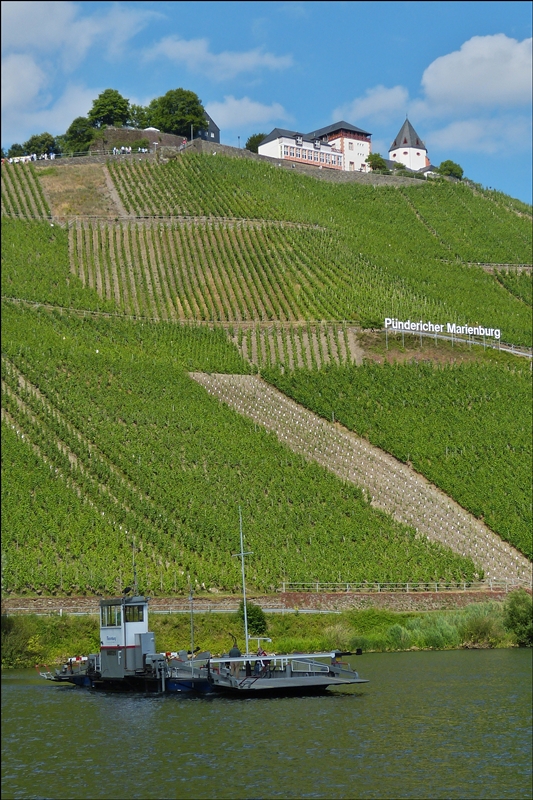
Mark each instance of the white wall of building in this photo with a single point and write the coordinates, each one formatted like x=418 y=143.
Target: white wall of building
x=355 y=153
x=411 y=157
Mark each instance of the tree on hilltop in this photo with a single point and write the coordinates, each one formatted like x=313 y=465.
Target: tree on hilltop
x=109 y=108
x=176 y=111
x=41 y=144
x=16 y=150
x=78 y=137
x=376 y=162
x=254 y=141
x=450 y=168
x=138 y=117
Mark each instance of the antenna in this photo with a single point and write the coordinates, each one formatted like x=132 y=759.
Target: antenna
x=135 y=590
x=241 y=556
x=192 y=620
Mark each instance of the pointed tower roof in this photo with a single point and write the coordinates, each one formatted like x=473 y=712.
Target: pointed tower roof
x=407 y=137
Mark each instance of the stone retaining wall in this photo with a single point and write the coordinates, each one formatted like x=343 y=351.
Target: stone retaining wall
x=289 y=601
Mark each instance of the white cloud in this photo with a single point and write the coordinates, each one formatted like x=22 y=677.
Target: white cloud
x=379 y=103
x=487 y=71
x=233 y=113
x=484 y=135
x=59 y=29
x=22 y=81
x=22 y=123
x=195 y=55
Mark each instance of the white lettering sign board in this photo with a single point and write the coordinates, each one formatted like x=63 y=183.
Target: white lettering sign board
x=393 y=324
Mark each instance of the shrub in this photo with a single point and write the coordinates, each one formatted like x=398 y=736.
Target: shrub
x=518 y=617
x=257 y=622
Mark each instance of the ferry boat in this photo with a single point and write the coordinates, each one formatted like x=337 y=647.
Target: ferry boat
x=128 y=660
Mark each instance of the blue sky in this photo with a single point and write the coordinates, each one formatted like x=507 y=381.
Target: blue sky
x=460 y=70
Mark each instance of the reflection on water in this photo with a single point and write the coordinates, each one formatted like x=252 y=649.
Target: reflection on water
x=428 y=725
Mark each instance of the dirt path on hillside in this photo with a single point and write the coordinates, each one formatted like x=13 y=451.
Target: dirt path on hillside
x=392 y=486
x=114 y=195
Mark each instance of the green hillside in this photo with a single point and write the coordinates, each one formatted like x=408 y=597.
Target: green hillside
x=221 y=265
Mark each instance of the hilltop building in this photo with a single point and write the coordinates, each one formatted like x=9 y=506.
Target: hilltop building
x=340 y=146
x=211 y=133
x=409 y=149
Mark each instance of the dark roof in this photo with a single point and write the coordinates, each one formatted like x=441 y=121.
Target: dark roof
x=407 y=137
x=277 y=133
x=337 y=126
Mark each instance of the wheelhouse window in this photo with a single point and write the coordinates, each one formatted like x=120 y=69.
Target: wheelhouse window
x=111 y=616
x=134 y=613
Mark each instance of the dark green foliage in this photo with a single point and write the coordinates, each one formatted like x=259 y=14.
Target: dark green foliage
x=40 y=144
x=176 y=111
x=109 y=108
x=16 y=150
x=519 y=616
x=376 y=162
x=257 y=621
x=450 y=168
x=78 y=137
x=138 y=117
x=253 y=142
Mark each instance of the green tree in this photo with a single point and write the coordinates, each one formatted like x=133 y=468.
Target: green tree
x=518 y=616
x=109 y=108
x=139 y=116
x=257 y=622
x=176 y=111
x=254 y=141
x=78 y=137
x=16 y=150
x=40 y=144
x=450 y=168
x=398 y=165
x=376 y=162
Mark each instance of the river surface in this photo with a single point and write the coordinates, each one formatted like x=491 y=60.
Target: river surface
x=453 y=724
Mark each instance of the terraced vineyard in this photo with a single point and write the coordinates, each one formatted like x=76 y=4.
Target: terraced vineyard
x=467 y=428
x=391 y=486
x=22 y=195
x=233 y=266
x=474 y=229
x=122 y=426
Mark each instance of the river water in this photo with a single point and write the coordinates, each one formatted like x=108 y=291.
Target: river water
x=453 y=724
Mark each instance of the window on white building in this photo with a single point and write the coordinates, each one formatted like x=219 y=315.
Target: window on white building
x=350 y=145
x=352 y=166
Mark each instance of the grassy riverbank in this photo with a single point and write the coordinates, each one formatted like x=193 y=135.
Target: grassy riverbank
x=30 y=639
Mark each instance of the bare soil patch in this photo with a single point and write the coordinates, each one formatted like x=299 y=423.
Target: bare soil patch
x=80 y=190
